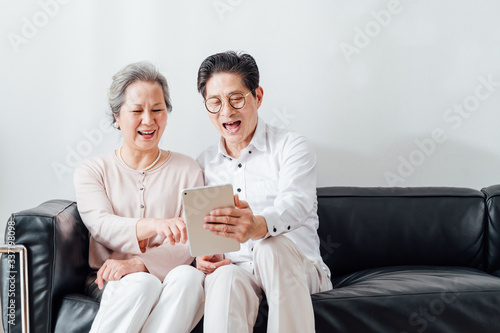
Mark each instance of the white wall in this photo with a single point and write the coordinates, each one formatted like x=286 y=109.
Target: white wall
x=374 y=84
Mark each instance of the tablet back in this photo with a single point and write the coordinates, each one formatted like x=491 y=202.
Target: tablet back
x=198 y=202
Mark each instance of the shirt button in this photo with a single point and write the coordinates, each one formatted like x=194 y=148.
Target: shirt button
x=288 y=228
x=142 y=206
x=142 y=188
x=239 y=165
x=274 y=229
x=239 y=189
x=249 y=151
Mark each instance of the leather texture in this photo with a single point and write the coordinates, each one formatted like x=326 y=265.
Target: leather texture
x=411 y=299
x=57 y=243
x=402 y=260
x=76 y=314
x=493 y=205
x=363 y=228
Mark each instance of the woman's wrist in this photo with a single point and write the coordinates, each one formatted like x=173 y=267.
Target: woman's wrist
x=146 y=228
x=139 y=264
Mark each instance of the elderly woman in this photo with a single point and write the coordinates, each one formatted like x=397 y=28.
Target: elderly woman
x=130 y=201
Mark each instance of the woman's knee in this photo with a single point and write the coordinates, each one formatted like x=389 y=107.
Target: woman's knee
x=141 y=285
x=185 y=275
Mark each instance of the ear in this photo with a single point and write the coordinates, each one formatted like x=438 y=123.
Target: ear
x=259 y=95
x=116 y=124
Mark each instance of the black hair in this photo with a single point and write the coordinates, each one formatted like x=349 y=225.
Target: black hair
x=239 y=63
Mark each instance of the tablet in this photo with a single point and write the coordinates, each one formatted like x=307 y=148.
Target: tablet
x=198 y=202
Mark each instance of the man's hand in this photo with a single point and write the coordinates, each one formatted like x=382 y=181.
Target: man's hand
x=114 y=270
x=208 y=264
x=238 y=223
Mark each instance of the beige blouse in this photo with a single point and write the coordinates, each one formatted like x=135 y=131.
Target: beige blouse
x=111 y=199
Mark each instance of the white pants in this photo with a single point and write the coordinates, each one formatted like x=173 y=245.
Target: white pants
x=232 y=295
x=139 y=302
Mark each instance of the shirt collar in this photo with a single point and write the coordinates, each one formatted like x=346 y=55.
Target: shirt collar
x=258 y=141
x=259 y=137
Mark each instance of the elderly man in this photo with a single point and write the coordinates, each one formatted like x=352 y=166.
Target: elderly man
x=273 y=172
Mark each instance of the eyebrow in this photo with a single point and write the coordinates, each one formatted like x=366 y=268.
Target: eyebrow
x=137 y=104
x=232 y=92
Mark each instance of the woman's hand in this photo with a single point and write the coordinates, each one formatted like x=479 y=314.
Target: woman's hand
x=208 y=264
x=174 y=230
x=171 y=230
x=114 y=270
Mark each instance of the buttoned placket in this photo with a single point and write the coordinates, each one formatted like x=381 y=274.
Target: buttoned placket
x=239 y=182
x=142 y=189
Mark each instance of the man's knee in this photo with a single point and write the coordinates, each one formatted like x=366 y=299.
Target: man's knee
x=222 y=274
x=278 y=253
x=227 y=277
x=271 y=247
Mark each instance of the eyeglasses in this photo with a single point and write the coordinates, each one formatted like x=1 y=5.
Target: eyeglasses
x=236 y=100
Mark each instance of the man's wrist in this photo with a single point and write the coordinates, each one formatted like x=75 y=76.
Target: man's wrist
x=262 y=230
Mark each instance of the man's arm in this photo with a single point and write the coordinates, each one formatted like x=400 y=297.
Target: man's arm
x=295 y=201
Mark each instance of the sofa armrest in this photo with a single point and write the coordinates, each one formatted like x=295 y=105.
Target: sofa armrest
x=493 y=242
x=57 y=249
x=15 y=288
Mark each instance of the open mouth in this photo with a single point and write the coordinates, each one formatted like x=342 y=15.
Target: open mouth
x=146 y=134
x=232 y=127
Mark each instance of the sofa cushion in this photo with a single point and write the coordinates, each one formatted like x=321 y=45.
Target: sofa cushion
x=362 y=228
x=76 y=314
x=410 y=299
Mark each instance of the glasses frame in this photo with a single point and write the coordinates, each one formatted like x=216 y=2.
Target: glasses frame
x=229 y=101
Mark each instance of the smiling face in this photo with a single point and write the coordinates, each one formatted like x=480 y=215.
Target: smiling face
x=143 y=116
x=237 y=126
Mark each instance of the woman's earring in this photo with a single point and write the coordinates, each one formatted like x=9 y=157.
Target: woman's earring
x=115 y=125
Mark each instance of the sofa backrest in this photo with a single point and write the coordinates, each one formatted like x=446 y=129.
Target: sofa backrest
x=493 y=243
x=362 y=228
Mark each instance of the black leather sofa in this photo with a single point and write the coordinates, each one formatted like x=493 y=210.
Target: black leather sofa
x=402 y=259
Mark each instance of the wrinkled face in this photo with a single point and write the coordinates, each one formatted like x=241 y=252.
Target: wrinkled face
x=237 y=126
x=143 y=116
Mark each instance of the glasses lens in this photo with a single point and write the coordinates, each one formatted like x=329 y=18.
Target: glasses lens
x=237 y=100
x=213 y=104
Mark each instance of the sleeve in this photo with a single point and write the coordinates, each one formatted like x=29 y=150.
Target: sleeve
x=296 y=199
x=158 y=257
x=194 y=179
x=116 y=233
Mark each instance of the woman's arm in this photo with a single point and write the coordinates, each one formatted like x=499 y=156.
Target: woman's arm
x=112 y=231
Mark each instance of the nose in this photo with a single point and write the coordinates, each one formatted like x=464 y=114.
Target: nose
x=227 y=110
x=148 y=118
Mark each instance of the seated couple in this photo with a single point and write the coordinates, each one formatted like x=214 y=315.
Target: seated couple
x=130 y=201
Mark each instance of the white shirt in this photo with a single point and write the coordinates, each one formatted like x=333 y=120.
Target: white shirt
x=276 y=175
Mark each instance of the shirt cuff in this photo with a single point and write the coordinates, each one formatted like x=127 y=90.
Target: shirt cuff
x=272 y=221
